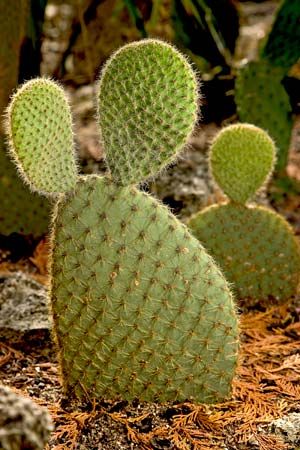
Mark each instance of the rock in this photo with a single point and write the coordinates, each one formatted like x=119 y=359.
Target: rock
x=23 y=424
x=23 y=305
x=288 y=427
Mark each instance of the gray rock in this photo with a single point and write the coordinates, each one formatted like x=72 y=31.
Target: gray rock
x=288 y=427
x=23 y=304
x=23 y=424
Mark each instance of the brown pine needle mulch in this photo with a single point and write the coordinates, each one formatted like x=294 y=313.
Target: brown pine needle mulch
x=267 y=387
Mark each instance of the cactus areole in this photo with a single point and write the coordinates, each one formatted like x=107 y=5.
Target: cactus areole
x=140 y=309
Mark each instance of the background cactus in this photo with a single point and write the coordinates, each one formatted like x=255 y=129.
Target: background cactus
x=23 y=424
x=260 y=96
x=254 y=246
x=262 y=100
x=237 y=165
x=282 y=45
x=20 y=211
x=131 y=289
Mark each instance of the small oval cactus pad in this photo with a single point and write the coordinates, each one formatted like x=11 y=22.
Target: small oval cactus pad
x=40 y=131
x=255 y=248
x=140 y=309
x=241 y=159
x=147 y=105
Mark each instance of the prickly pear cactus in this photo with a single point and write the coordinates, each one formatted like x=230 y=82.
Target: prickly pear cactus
x=20 y=210
x=262 y=100
x=139 y=307
x=23 y=424
x=254 y=246
x=282 y=47
x=259 y=93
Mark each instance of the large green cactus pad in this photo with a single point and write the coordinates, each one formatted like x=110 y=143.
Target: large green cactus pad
x=40 y=129
x=147 y=104
x=20 y=211
x=140 y=309
x=254 y=247
x=241 y=160
x=282 y=47
x=262 y=100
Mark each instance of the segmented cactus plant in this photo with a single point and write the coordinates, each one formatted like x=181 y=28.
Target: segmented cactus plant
x=262 y=100
x=259 y=93
x=253 y=245
x=23 y=424
x=139 y=307
x=20 y=210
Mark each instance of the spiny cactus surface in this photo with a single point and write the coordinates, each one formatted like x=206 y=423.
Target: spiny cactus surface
x=41 y=129
x=20 y=210
x=140 y=309
x=282 y=47
x=132 y=290
x=23 y=424
x=254 y=246
x=241 y=158
x=262 y=100
x=147 y=106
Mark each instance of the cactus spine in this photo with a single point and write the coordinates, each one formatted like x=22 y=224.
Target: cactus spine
x=254 y=246
x=131 y=289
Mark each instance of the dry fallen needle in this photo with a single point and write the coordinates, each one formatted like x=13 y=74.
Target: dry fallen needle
x=266 y=388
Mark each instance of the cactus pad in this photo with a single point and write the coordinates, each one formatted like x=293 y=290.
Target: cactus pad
x=255 y=248
x=283 y=44
x=241 y=159
x=40 y=128
x=140 y=309
x=21 y=211
x=262 y=100
x=23 y=424
x=147 y=106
